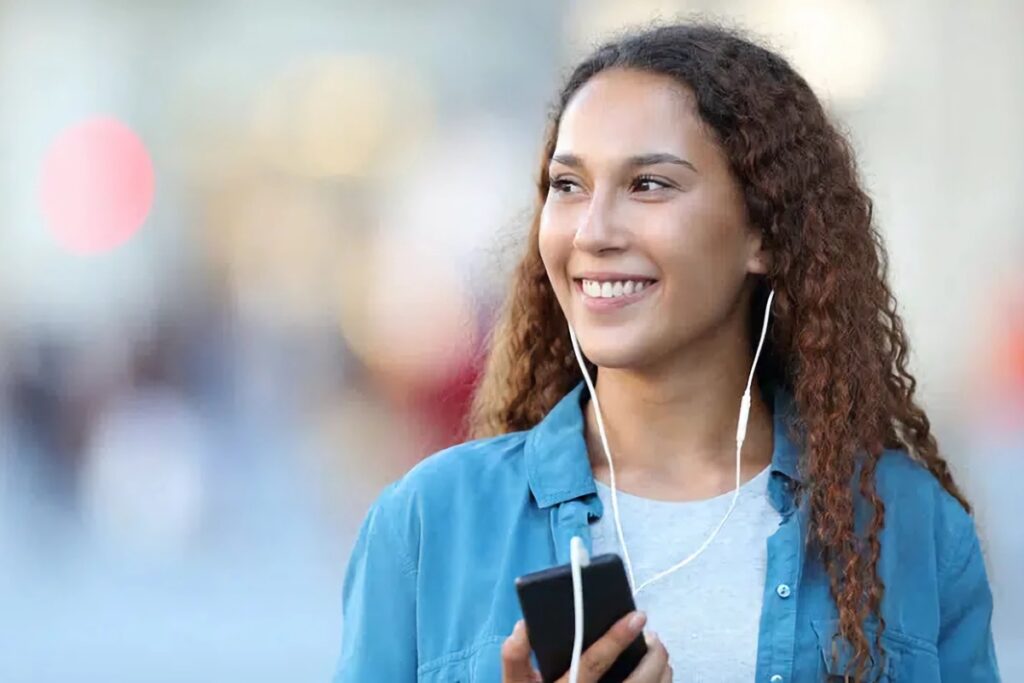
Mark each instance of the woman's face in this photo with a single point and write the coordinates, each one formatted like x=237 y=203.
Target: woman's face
x=644 y=233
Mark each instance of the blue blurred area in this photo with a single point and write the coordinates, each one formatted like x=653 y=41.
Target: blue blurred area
x=194 y=421
x=165 y=530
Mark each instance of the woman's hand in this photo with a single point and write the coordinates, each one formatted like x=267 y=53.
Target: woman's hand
x=515 y=658
x=598 y=658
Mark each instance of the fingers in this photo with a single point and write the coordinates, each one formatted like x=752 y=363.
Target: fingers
x=515 y=658
x=602 y=654
x=654 y=667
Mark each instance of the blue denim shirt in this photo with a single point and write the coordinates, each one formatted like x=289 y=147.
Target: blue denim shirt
x=429 y=593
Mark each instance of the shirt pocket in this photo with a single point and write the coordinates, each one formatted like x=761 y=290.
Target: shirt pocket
x=485 y=664
x=480 y=663
x=446 y=670
x=906 y=658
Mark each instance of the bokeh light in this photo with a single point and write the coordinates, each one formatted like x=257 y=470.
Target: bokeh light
x=341 y=115
x=838 y=46
x=97 y=185
x=405 y=311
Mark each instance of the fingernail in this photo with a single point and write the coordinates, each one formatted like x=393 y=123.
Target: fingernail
x=518 y=628
x=637 y=621
x=651 y=638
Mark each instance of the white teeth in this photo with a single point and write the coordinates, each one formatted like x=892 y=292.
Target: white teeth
x=612 y=290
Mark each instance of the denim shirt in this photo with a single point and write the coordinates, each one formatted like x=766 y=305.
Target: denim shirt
x=429 y=593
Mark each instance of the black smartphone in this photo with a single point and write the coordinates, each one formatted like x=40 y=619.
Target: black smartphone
x=546 y=600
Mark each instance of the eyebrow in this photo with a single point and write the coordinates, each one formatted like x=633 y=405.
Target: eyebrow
x=573 y=161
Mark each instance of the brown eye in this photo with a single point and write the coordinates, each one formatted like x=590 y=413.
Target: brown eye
x=562 y=186
x=646 y=183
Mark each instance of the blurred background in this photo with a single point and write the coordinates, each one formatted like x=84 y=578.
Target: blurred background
x=248 y=252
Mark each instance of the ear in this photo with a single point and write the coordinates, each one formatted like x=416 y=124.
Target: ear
x=759 y=259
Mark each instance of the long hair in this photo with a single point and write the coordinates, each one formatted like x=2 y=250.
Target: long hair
x=836 y=340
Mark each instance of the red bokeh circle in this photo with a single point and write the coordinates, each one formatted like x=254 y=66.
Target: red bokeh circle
x=97 y=185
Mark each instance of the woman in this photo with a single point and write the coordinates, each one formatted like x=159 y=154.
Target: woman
x=686 y=176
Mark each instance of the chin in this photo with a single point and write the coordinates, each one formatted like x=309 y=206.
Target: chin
x=617 y=356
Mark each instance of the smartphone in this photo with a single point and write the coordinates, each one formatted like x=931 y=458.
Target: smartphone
x=546 y=600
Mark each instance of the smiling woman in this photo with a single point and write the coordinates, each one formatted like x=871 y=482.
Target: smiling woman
x=692 y=194
x=672 y=214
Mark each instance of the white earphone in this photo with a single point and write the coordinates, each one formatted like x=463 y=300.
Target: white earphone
x=578 y=556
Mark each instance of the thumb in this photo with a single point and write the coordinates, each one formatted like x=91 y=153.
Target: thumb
x=515 y=658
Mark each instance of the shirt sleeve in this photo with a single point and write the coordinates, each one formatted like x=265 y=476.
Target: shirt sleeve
x=378 y=641
x=966 y=650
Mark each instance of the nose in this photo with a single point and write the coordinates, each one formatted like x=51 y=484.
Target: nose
x=599 y=229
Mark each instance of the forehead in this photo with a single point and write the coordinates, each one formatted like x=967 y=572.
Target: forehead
x=620 y=113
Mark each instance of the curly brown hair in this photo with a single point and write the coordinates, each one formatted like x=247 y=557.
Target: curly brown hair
x=836 y=342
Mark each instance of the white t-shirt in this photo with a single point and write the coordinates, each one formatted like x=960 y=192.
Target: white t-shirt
x=707 y=613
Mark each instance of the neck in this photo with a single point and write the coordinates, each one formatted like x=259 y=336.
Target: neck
x=672 y=430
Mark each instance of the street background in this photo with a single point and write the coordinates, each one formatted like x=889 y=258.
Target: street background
x=248 y=252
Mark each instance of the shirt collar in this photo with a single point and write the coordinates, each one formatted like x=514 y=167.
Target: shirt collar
x=786 y=451
x=558 y=469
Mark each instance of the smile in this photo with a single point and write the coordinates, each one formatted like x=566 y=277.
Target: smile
x=605 y=295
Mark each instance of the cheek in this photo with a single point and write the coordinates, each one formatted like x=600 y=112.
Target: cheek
x=554 y=244
x=704 y=239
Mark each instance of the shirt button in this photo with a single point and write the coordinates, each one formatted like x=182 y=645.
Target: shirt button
x=776 y=679
x=783 y=592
